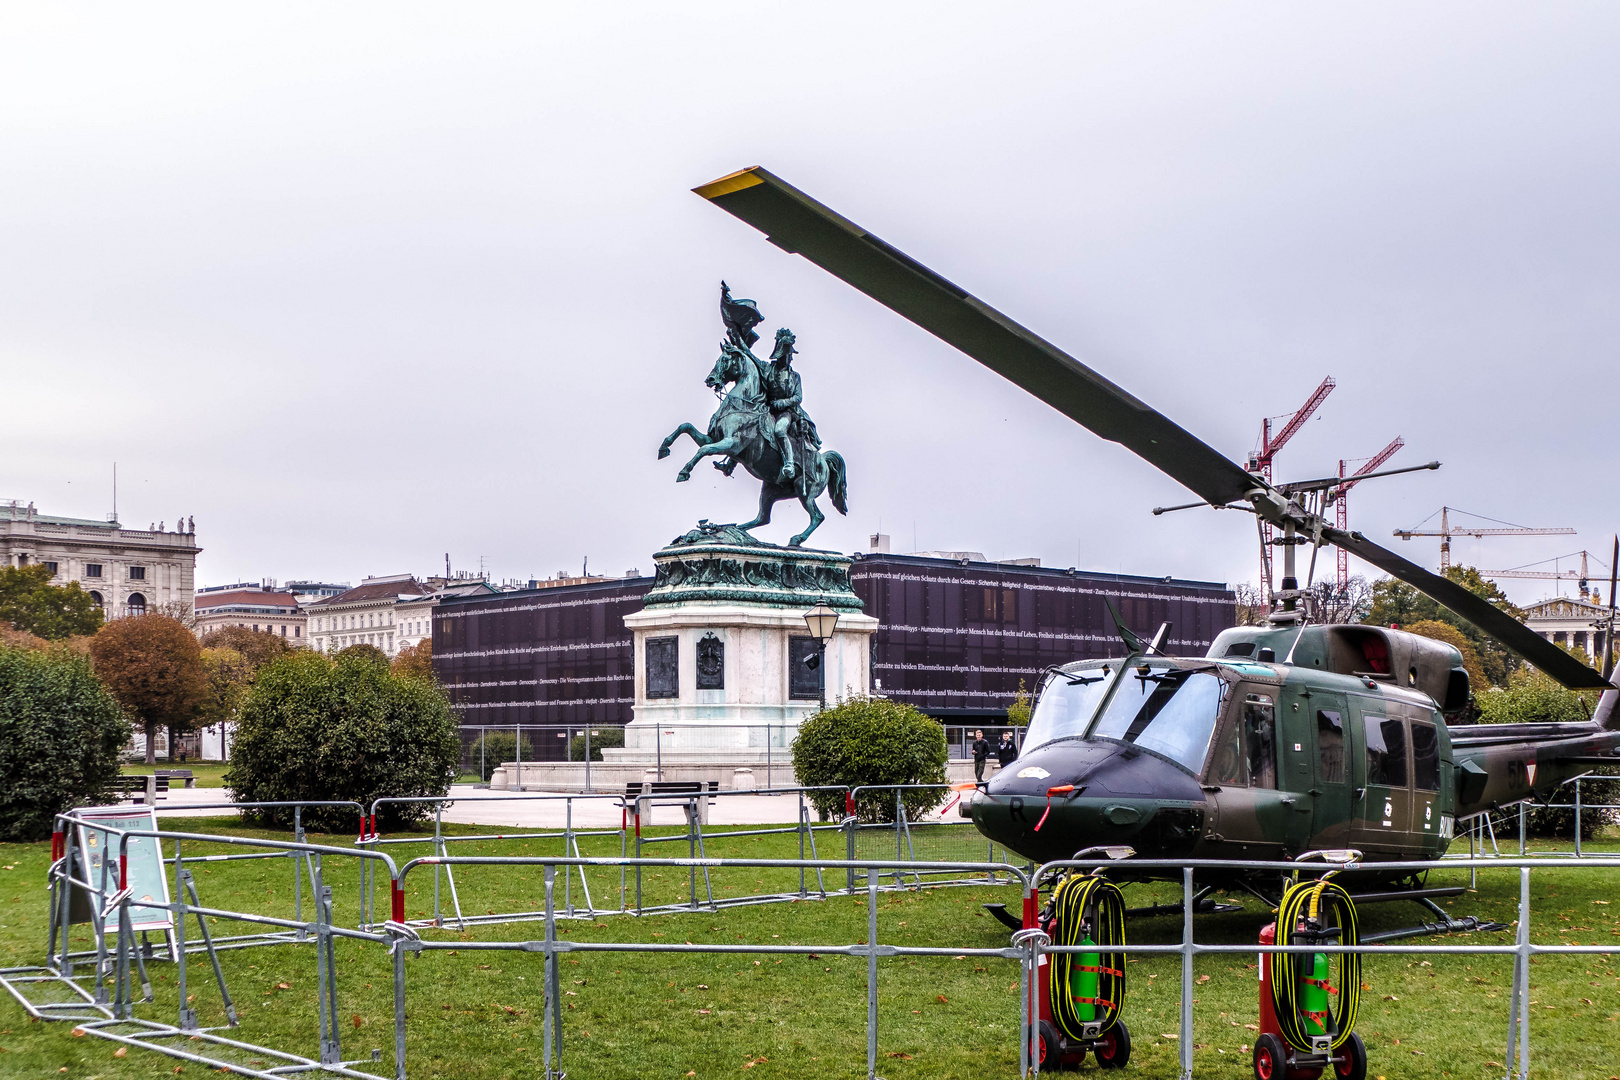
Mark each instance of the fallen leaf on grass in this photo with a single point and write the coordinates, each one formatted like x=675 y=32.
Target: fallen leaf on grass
x=701 y=1012
x=898 y=1054
x=122 y=1051
x=1391 y=997
x=288 y=986
x=942 y=999
x=1203 y=979
x=78 y=1033
x=357 y=1022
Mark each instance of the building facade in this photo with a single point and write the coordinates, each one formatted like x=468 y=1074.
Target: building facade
x=955 y=637
x=251 y=606
x=413 y=617
x=363 y=615
x=1570 y=621
x=125 y=571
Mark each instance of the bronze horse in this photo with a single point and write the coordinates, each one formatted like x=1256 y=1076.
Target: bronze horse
x=741 y=430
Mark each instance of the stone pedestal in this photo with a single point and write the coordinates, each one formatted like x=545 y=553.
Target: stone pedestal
x=721 y=681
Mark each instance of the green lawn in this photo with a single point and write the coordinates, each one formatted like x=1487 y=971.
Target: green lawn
x=209 y=774
x=477 y=1015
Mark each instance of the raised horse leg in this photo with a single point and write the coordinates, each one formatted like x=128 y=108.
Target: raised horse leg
x=720 y=446
x=698 y=437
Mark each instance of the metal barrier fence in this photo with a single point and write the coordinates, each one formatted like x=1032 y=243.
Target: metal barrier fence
x=118 y=954
x=486 y=747
x=115 y=1019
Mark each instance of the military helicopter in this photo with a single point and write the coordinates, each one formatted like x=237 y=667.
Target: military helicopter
x=1282 y=739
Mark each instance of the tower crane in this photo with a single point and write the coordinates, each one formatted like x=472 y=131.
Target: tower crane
x=1261 y=459
x=1337 y=495
x=1581 y=576
x=1447 y=530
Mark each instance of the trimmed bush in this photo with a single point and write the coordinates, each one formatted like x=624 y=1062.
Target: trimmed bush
x=600 y=737
x=871 y=741
x=315 y=727
x=60 y=734
x=492 y=751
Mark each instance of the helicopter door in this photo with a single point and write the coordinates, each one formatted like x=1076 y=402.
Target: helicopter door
x=1331 y=789
x=1246 y=811
x=1383 y=812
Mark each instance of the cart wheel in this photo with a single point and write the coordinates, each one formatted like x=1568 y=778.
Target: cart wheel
x=1354 y=1065
x=1270 y=1058
x=1113 y=1050
x=1046 y=1051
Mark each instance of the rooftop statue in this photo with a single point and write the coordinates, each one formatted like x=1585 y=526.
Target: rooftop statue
x=761 y=423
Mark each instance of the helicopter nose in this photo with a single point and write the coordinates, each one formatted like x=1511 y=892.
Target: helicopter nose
x=1068 y=796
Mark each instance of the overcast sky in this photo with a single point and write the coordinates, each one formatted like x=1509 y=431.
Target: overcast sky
x=359 y=285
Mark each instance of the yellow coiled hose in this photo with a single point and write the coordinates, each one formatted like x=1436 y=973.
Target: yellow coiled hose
x=1296 y=976
x=1087 y=911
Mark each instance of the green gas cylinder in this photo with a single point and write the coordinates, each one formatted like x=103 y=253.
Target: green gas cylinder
x=1083 y=984
x=1313 y=997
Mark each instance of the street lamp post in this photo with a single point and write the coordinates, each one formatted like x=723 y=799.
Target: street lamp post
x=823 y=621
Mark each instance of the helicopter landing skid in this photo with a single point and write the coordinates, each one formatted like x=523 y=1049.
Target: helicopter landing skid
x=1446 y=925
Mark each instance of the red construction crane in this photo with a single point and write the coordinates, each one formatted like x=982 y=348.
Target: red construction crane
x=1337 y=495
x=1447 y=530
x=1260 y=462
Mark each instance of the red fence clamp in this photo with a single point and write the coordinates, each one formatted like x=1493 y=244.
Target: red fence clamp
x=1031 y=898
x=123 y=870
x=398 y=902
x=1051 y=791
x=58 y=846
x=849 y=803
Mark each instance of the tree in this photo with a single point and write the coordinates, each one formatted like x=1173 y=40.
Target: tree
x=258 y=647
x=60 y=733
x=228 y=673
x=415 y=661
x=1251 y=605
x=153 y=666
x=1019 y=711
x=871 y=741
x=1329 y=603
x=29 y=602
x=370 y=653
x=316 y=727
x=1395 y=603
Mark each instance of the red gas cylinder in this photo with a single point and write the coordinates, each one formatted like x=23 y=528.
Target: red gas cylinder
x=1270 y=1048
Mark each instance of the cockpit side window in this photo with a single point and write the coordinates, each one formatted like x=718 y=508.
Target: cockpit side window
x=1259 y=738
x=1227 y=764
x=1166 y=710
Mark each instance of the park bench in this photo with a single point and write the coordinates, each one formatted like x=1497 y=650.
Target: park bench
x=173 y=775
x=680 y=792
x=141 y=789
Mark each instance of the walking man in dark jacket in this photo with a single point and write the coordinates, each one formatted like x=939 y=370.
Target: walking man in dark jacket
x=1006 y=752
x=981 y=754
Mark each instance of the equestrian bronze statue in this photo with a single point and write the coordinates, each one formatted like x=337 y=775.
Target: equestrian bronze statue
x=761 y=423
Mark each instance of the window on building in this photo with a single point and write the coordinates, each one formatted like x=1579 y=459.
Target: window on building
x=136 y=604
x=283 y=631
x=51 y=567
x=298 y=631
x=92 y=569
x=137 y=573
x=95 y=598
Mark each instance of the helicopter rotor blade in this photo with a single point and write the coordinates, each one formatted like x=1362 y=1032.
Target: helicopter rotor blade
x=796 y=223
x=1546 y=656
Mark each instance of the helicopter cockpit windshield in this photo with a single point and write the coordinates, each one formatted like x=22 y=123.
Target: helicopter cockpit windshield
x=1170 y=711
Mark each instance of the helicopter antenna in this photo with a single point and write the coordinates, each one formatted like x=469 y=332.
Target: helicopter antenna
x=1159 y=638
x=1289 y=659
x=1132 y=642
